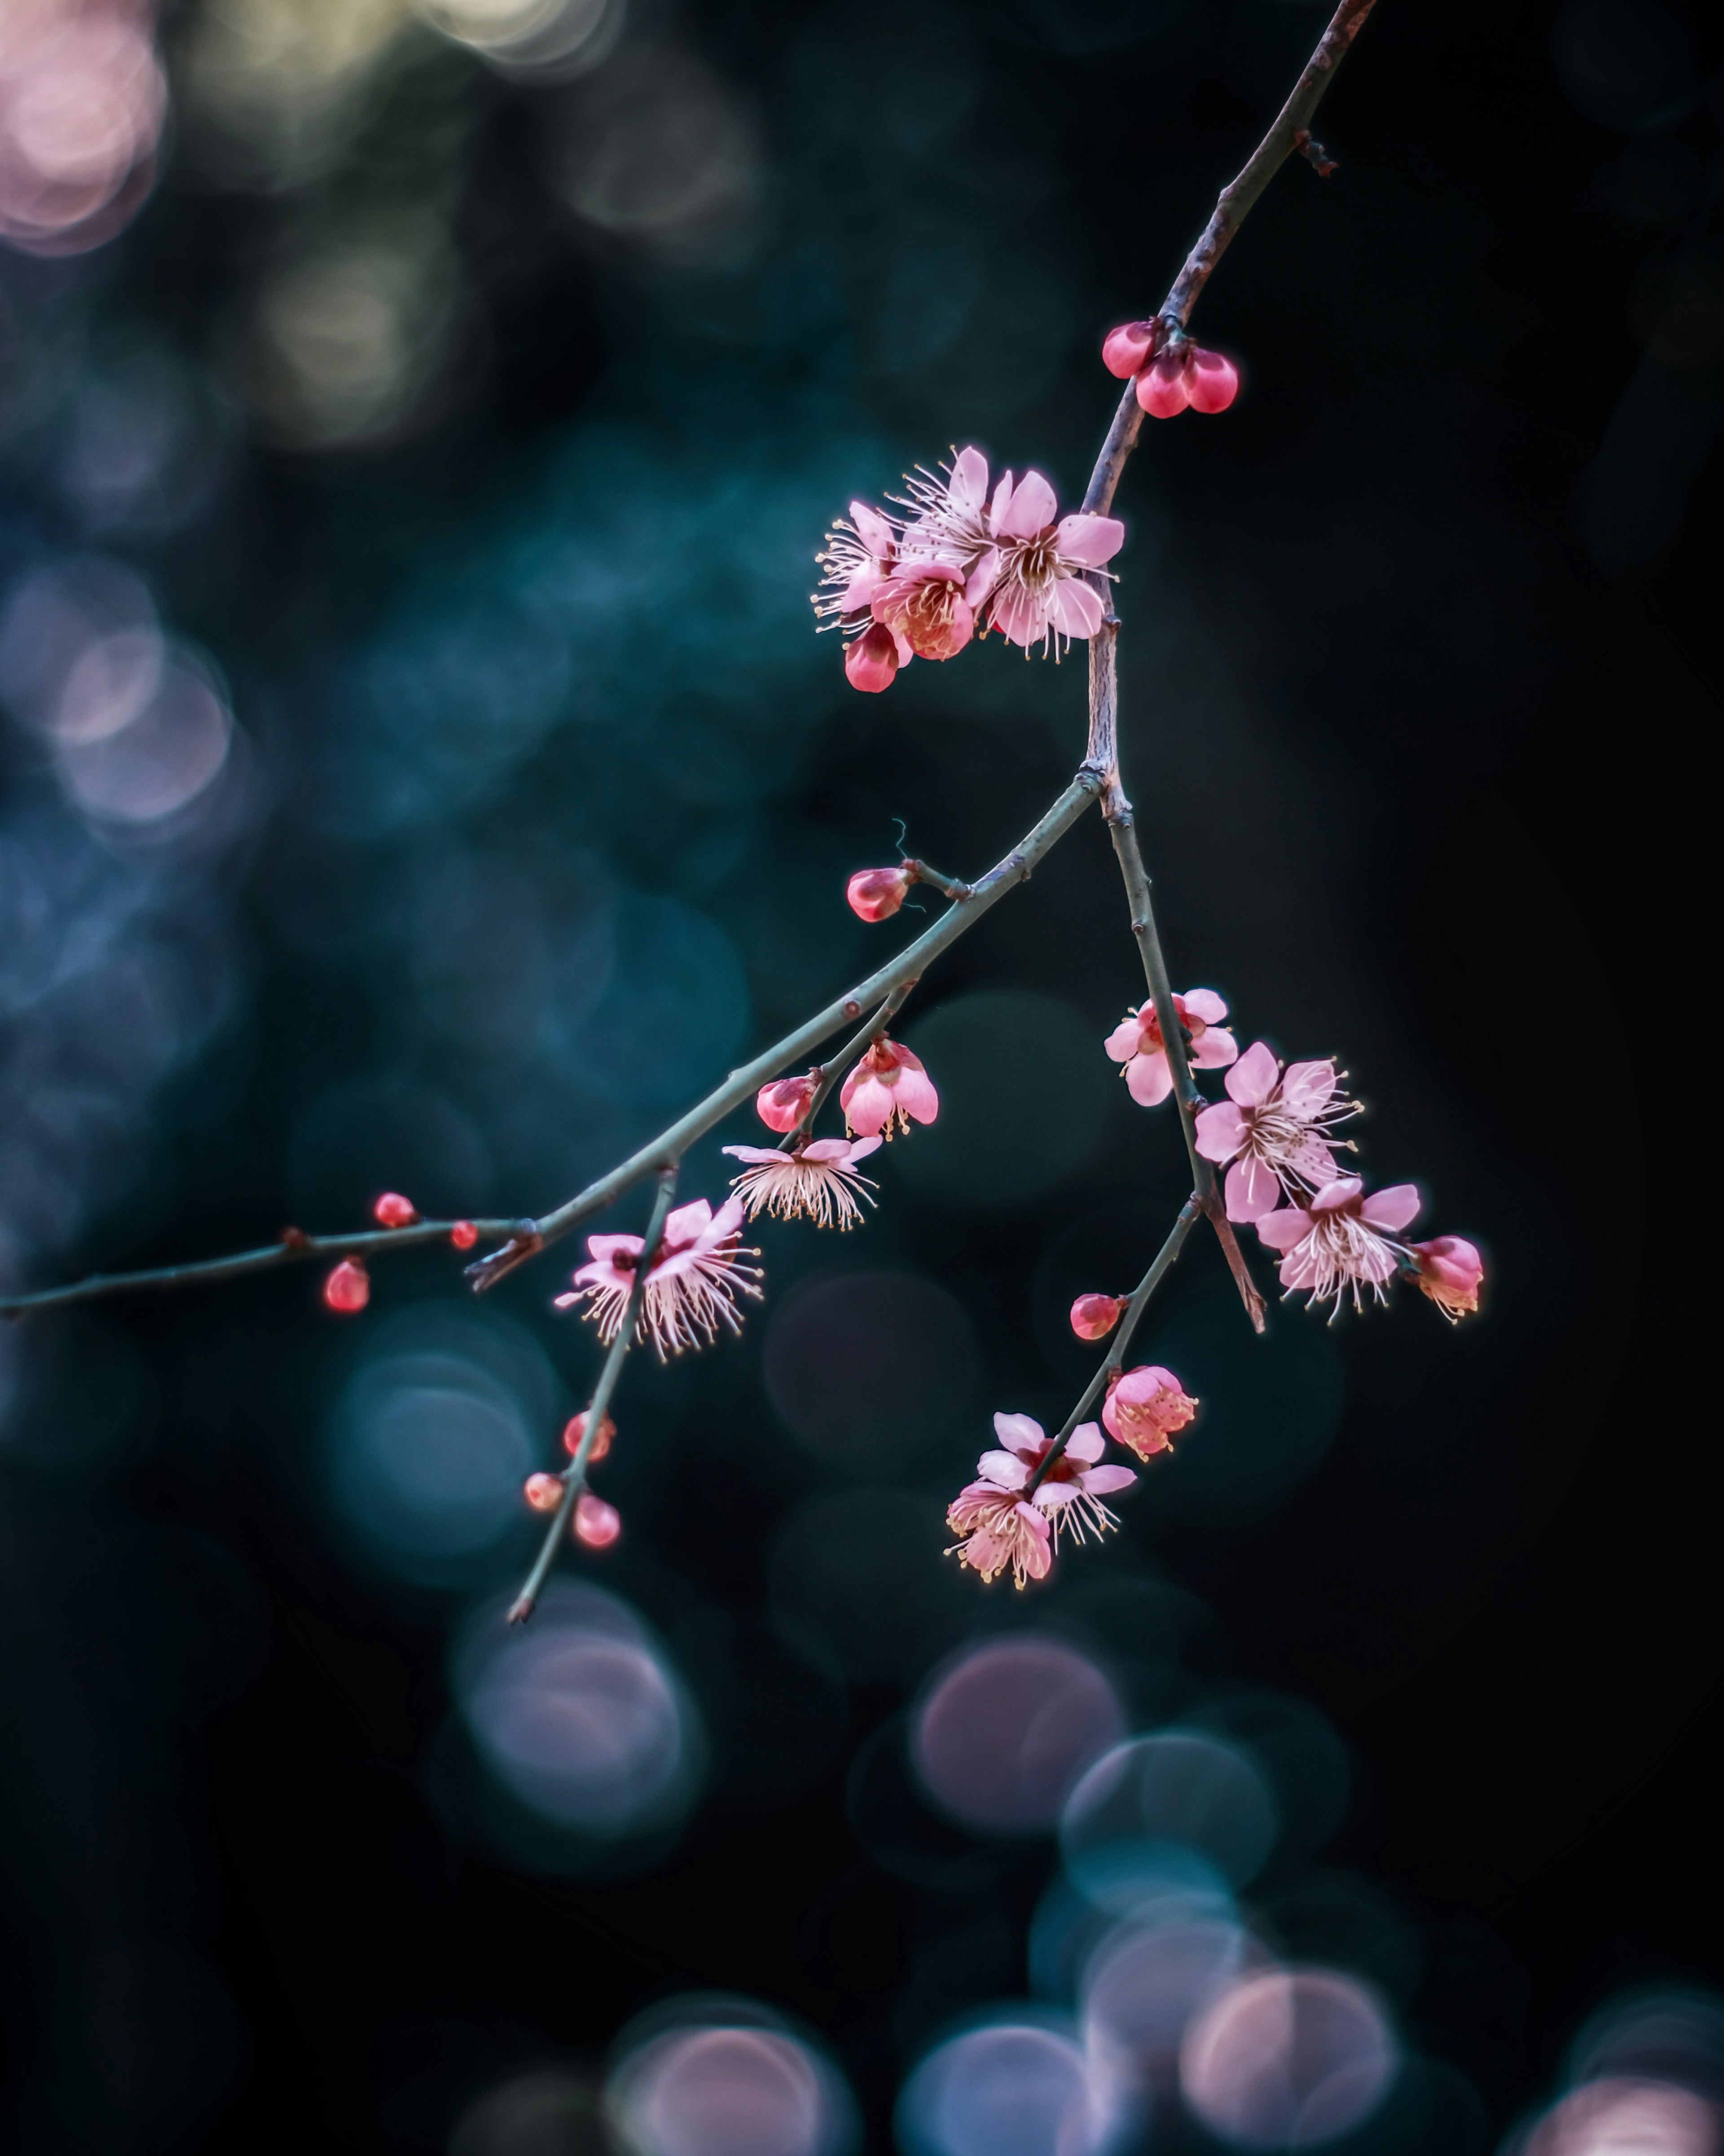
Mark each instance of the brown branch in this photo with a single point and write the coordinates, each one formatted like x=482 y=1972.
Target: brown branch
x=1233 y=205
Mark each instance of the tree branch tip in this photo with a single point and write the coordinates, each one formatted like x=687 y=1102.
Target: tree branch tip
x=521 y=1609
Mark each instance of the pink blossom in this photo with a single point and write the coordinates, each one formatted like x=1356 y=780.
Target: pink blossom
x=858 y=556
x=595 y=1522
x=821 y=1180
x=348 y=1287
x=922 y=605
x=1023 y=574
x=1071 y=1491
x=1137 y=1044
x=996 y=1529
x=1451 y=1272
x=1274 y=1128
x=1144 y=1408
x=885 y=1089
x=1340 y=1241
x=393 y=1210
x=782 y=1105
x=872 y=659
x=543 y=1492
x=691 y=1287
x=877 y=894
x=1179 y=373
x=1094 y=1316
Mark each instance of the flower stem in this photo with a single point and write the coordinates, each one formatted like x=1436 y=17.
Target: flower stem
x=575 y=1475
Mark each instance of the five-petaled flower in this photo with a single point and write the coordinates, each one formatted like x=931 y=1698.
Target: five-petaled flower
x=996 y=1528
x=1168 y=370
x=1451 y=1271
x=885 y=1090
x=691 y=1286
x=1145 y=1407
x=1274 y=1128
x=1340 y=1242
x=1138 y=1045
x=821 y=1182
x=1071 y=1491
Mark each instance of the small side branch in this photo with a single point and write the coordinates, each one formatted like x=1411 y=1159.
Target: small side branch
x=575 y=1477
x=1110 y=1368
x=1186 y=1097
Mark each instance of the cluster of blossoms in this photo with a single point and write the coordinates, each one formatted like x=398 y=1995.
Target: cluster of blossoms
x=1274 y=1136
x=961 y=559
x=1168 y=370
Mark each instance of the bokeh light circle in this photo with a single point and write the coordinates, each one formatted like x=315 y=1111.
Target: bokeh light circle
x=1006 y=2089
x=867 y=1368
x=1619 y=2115
x=1006 y=1731
x=1143 y=1986
x=1176 y=1819
x=1288 y=2059
x=718 y=2076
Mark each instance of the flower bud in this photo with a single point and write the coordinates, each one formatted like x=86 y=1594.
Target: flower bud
x=393 y=1210
x=871 y=660
x=1094 y=1316
x=1163 y=389
x=575 y=1429
x=782 y=1105
x=348 y=1287
x=874 y=894
x=1125 y=350
x=544 y=1492
x=1450 y=1272
x=464 y=1234
x=596 y=1523
x=1212 y=382
x=1144 y=1408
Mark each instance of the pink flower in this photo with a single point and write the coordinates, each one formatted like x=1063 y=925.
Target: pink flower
x=821 y=1180
x=348 y=1287
x=782 y=1105
x=1341 y=1241
x=1171 y=372
x=884 y=1090
x=393 y=1210
x=1451 y=1271
x=1273 y=1127
x=1071 y=1492
x=1094 y=1316
x=595 y=1522
x=1137 y=1044
x=872 y=659
x=1023 y=574
x=876 y=894
x=922 y=605
x=996 y=1529
x=543 y=1492
x=692 y=1288
x=1144 y=1408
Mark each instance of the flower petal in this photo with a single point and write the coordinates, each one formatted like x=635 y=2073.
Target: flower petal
x=1089 y=540
x=1252 y=1079
x=1004 y=1470
x=1085 y=1442
x=1148 y=1080
x=1214 y=1047
x=873 y=530
x=1020 y=1431
x=1204 y=1004
x=1282 y=1230
x=1124 y=1042
x=1221 y=1130
x=969 y=478
x=1103 y=1481
x=1253 y=1189
x=1307 y=1086
x=1073 y=608
x=757 y=1155
x=1334 y=1195
x=1030 y=509
x=1396 y=1207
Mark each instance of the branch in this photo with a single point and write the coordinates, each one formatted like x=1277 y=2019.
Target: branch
x=1233 y=205
x=575 y=1475
x=1116 y=1360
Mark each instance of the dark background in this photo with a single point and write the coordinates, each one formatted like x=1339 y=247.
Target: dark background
x=537 y=821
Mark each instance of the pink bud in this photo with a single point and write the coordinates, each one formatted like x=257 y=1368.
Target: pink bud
x=1213 y=381
x=1094 y=1316
x=1450 y=1272
x=597 y=1523
x=874 y=894
x=544 y=1492
x=1125 y=349
x=464 y=1234
x=782 y=1105
x=1144 y=1408
x=871 y=660
x=575 y=1429
x=393 y=1210
x=348 y=1287
x=1163 y=389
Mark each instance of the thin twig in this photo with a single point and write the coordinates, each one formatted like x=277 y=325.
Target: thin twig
x=1115 y=1360
x=834 y=1069
x=1234 y=204
x=575 y=1475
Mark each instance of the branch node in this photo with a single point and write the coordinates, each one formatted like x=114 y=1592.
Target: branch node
x=526 y=1242
x=1314 y=153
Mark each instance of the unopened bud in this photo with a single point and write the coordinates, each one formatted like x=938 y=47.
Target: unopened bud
x=1450 y=1272
x=1125 y=350
x=597 y=1523
x=871 y=660
x=1094 y=1316
x=464 y=1234
x=782 y=1105
x=544 y=1492
x=876 y=894
x=348 y=1287
x=576 y=1429
x=393 y=1210
x=1163 y=389
x=1211 y=382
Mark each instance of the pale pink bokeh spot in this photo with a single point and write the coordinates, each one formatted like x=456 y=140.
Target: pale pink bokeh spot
x=82 y=102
